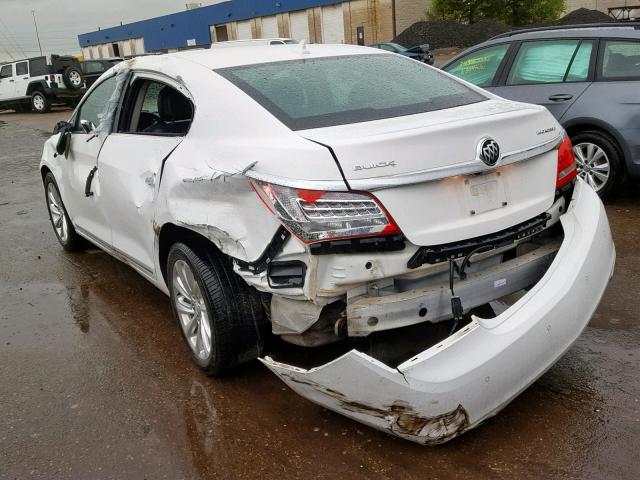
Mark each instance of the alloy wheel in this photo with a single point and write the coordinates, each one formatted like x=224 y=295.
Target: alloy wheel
x=192 y=309
x=593 y=164
x=74 y=77
x=58 y=215
x=38 y=102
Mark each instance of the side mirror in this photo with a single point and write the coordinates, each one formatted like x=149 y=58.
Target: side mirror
x=60 y=126
x=63 y=141
x=87 y=126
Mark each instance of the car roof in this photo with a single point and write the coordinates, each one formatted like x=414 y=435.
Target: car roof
x=231 y=57
x=617 y=30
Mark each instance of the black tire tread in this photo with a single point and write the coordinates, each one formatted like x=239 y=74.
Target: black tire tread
x=237 y=319
x=74 y=241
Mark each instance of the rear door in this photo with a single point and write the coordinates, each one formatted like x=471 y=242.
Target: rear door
x=552 y=73
x=157 y=115
x=21 y=79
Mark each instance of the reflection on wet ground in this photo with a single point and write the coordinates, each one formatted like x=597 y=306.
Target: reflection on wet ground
x=95 y=381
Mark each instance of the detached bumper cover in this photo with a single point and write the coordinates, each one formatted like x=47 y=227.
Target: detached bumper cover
x=456 y=384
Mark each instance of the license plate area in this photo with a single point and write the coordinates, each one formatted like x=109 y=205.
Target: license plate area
x=484 y=193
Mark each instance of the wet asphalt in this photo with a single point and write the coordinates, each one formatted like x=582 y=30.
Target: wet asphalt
x=96 y=382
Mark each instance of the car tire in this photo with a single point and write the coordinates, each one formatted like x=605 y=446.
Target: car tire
x=598 y=156
x=72 y=78
x=220 y=317
x=60 y=220
x=39 y=102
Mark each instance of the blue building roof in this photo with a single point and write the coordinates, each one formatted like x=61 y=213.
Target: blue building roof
x=172 y=31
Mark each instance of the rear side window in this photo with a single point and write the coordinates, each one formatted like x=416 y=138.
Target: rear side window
x=22 y=68
x=157 y=109
x=548 y=61
x=621 y=60
x=321 y=92
x=6 y=71
x=479 y=67
x=38 y=66
x=92 y=67
x=579 y=69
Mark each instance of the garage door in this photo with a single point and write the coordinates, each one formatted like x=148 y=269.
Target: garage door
x=269 y=27
x=299 y=25
x=332 y=24
x=243 y=30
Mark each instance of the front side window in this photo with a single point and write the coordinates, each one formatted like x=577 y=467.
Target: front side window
x=6 y=71
x=321 y=92
x=479 y=67
x=22 y=68
x=547 y=61
x=98 y=110
x=621 y=60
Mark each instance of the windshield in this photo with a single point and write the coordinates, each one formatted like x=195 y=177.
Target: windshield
x=322 y=92
x=398 y=47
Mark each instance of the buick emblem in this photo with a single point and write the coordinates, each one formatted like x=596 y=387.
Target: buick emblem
x=489 y=151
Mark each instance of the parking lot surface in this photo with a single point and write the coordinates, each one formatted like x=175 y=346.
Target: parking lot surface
x=96 y=382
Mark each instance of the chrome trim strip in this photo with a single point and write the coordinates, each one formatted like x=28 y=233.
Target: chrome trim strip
x=328 y=185
x=429 y=175
x=113 y=251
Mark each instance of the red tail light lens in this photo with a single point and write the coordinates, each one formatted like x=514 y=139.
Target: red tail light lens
x=316 y=215
x=567 y=169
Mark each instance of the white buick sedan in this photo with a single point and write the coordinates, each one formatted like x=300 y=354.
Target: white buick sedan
x=424 y=243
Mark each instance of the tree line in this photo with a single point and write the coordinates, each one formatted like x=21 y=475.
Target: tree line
x=510 y=12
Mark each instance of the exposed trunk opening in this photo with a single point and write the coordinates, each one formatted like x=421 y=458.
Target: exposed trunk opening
x=394 y=346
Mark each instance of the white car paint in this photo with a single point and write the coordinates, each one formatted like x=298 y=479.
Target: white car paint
x=424 y=170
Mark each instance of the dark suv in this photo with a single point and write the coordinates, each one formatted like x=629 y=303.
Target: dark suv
x=588 y=76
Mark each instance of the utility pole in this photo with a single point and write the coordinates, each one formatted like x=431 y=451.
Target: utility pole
x=33 y=12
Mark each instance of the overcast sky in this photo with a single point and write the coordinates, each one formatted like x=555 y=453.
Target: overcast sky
x=60 y=21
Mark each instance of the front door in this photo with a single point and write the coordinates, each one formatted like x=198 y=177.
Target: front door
x=6 y=82
x=80 y=185
x=131 y=163
x=552 y=73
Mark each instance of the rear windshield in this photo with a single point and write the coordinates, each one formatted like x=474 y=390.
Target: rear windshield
x=322 y=92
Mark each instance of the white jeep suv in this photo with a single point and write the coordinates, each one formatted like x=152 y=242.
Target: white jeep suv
x=40 y=82
x=416 y=250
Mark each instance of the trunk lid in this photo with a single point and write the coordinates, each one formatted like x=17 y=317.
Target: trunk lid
x=426 y=172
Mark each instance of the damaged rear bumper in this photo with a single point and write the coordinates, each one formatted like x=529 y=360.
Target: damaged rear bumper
x=471 y=375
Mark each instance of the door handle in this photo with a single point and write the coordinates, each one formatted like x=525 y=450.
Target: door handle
x=560 y=97
x=12 y=80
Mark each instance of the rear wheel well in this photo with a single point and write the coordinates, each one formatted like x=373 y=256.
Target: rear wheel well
x=35 y=87
x=170 y=234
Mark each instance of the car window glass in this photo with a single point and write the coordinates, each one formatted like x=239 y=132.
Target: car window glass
x=542 y=62
x=96 y=107
x=579 y=70
x=479 y=67
x=621 y=59
x=162 y=110
x=389 y=48
x=93 y=67
x=38 y=66
x=6 y=71
x=320 y=92
x=22 y=68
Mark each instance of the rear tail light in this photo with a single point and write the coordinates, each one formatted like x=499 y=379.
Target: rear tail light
x=567 y=169
x=316 y=215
